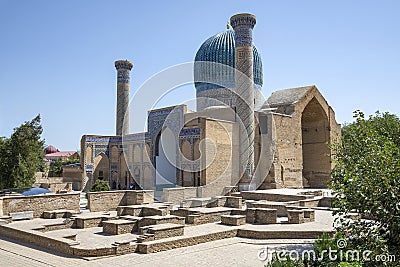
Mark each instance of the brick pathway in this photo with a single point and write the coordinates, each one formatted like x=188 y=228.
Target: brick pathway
x=226 y=252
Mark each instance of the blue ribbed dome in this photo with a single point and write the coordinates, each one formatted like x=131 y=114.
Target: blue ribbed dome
x=220 y=48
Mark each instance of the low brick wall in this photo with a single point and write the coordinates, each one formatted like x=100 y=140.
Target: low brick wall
x=118 y=227
x=310 y=203
x=40 y=203
x=36 y=238
x=82 y=223
x=256 y=234
x=152 y=220
x=55 y=226
x=178 y=194
x=281 y=208
x=233 y=219
x=261 y=215
x=110 y=200
x=64 y=245
x=152 y=247
x=203 y=218
x=105 y=201
x=135 y=197
x=164 y=230
x=254 y=195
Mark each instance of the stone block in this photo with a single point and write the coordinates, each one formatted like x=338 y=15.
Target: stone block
x=309 y=215
x=265 y=216
x=129 y=210
x=152 y=220
x=261 y=215
x=234 y=202
x=296 y=216
x=151 y=211
x=217 y=201
x=182 y=212
x=233 y=219
x=160 y=231
x=118 y=227
x=280 y=206
x=310 y=203
x=194 y=219
x=22 y=215
x=84 y=221
x=53 y=214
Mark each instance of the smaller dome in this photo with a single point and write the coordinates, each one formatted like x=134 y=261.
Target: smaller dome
x=50 y=150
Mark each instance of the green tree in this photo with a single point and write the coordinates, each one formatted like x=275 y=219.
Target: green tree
x=2 y=159
x=72 y=160
x=21 y=155
x=100 y=185
x=56 y=168
x=366 y=180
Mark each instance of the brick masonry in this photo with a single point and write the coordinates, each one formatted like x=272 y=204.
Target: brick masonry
x=118 y=227
x=110 y=200
x=39 y=203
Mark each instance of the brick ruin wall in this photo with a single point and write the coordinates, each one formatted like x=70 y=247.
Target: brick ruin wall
x=39 y=203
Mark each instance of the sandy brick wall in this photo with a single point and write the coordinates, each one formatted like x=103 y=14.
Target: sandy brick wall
x=110 y=200
x=40 y=203
x=106 y=201
x=176 y=195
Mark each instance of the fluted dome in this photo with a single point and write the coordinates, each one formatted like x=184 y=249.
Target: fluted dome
x=50 y=150
x=220 y=48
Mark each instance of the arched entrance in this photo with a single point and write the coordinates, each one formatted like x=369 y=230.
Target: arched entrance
x=101 y=167
x=165 y=159
x=316 y=153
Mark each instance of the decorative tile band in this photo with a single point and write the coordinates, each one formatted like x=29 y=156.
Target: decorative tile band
x=190 y=131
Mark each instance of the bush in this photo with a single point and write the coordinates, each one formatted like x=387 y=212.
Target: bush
x=100 y=185
x=321 y=256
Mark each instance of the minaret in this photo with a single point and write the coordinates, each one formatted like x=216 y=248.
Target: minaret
x=243 y=25
x=123 y=67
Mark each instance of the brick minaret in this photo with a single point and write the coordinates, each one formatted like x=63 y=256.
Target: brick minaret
x=243 y=25
x=123 y=67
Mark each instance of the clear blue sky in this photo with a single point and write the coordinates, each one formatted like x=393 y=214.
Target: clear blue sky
x=56 y=57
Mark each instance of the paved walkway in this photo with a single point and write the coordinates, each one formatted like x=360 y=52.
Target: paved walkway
x=227 y=252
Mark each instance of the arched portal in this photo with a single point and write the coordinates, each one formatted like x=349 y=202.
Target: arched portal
x=315 y=138
x=165 y=159
x=101 y=167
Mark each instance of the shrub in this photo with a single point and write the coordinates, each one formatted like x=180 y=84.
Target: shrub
x=100 y=185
